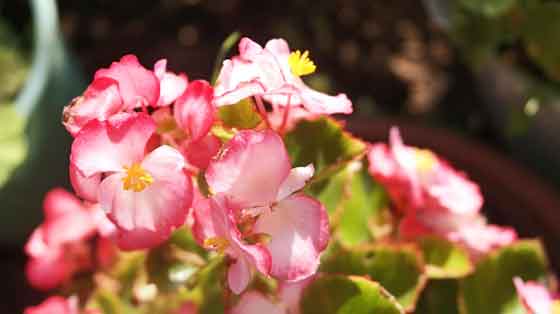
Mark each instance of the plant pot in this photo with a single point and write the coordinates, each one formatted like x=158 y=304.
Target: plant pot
x=513 y=195
x=53 y=80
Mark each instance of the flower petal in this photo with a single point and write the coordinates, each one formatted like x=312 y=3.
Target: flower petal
x=85 y=187
x=534 y=296
x=299 y=231
x=295 y=181
x=200 y=153
x=55 y=305
x=253 y=302
x=250 y=169
x=239 y=275
x=137 y=85
x=48 y=271
x=171 y=85
x=104 y=146
x=194 y=110
x=100 y=101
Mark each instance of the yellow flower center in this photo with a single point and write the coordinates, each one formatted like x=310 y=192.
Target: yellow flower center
x=300 y=63
x=219 y=244
x=425 y=160
x=137 y=179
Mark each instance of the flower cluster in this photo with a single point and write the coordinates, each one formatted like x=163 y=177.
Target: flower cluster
x=180 y=202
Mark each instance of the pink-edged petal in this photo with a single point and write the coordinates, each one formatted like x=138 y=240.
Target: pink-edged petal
x=299 y=231
x=110 y=145
x=238 y=79
x=194 y=110
x=100 y=101
x=248 y=49
x=71 y=227
x=55 y=305
x=320 y=103
x=171 y=85
x=204 y=226
x=534 y=296
x=295 y=181
x=239 y=274
x=85 y=187
x=253 y=302
x=251 y=168
x=137 y=85
x=482 y=238
x=49 y=270
x=161 y=206
x=200 y=153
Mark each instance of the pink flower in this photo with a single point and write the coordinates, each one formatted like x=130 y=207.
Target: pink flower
x=216 y=228
x=253 y=173
x=433 y=197
x=171 y=85
x=55 y=305
x=534 y=297
x=273 y=72
x=138 y=86
x=145 y=193
x=58 y=248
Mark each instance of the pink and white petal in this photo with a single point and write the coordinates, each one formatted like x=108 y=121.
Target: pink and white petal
x=100 y=101
x=69 y=228
x=138 y=86
x=299 y=231
x=85 y=187
x=54 y=305
x=482 y=238
x=253 y=302
x=536 y=299
x=194 y=110
x=250 y=169
x=171 y=85
x=279 y=47
x=48 y=271
x=320 y=103
x=204 y=226
x=106 y=146
x=291 y=292
x=238 y=79
x=35 y=245
x=242 y=91
x=295 y=181
x=239 y=275
x=248 y=49
x=200 y=153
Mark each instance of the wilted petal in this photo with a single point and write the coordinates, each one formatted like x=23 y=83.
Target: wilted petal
x=295 y=181
x=100 y=101
x=171 y=85
x=255 y=303
x=299 y=231
x=194 y=111
x=110 y=145
x=250 y=169
x=137 y=85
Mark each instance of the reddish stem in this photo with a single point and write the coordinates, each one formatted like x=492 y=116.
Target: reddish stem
x=262 y=110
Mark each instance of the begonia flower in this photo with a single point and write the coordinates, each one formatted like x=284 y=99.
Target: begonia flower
x=171 y=85
x=55 y=305
x=535 y=298
x=253 y=173
x=138 y=86
x=433 y=197
x=58 y=248
x=274 y=73
x=145 y=193
x=215 y=228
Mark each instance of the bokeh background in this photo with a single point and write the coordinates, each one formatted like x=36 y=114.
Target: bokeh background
x=477 y=81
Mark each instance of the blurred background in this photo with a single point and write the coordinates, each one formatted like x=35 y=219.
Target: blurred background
x=478 y=81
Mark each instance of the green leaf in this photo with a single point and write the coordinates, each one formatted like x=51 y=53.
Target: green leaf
x=347 y=295
x=439 y=297
x=108 y=303
x=399 y=269
x=241 y=115
x=540 y=34
x=210 y=287
x=13 y=144
x=490 y=8
x=490 y=290
x=445 y=259
x=228 y=43
x=323 y=143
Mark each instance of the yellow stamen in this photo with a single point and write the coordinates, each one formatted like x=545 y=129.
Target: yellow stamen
x=137 y=179
x=219 y=244
x=300 y=63
x=425 y=160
